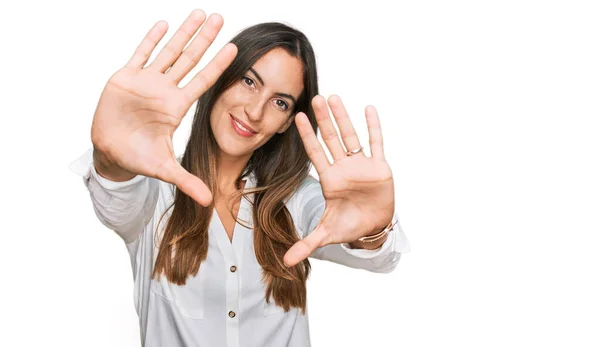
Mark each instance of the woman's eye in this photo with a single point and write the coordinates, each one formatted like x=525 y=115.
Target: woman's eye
x=281 y=104
x=248 y=81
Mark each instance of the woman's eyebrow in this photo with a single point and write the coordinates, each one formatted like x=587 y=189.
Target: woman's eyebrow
x=257 y=76
x=285 y=95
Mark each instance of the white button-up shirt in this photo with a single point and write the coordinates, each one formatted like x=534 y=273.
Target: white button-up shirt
x=224 y=304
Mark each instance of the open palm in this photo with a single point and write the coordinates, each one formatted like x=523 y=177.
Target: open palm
x=358 y=190
x=141 y=107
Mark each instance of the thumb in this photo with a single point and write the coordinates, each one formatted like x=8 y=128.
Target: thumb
x=304 y=248
x=190 y=184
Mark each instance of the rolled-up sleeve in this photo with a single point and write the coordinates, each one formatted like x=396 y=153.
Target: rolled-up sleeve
x=124 y=207
x=310 y=207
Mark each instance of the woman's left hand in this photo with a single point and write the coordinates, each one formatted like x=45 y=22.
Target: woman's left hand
x=358 y=190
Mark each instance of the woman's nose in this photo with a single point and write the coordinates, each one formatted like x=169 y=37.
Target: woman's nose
x=254 y=109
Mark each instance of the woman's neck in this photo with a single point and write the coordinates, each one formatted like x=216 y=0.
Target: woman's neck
x=229 y=169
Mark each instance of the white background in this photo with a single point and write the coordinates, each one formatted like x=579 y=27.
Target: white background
x=491 y=120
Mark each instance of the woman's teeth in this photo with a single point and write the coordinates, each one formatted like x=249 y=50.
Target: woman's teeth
x=242 y=127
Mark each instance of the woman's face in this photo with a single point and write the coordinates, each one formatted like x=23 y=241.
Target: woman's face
x=259 y=105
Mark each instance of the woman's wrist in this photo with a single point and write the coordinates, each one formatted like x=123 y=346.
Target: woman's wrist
x=110 y=171
x=368 y=245
x=374 y=239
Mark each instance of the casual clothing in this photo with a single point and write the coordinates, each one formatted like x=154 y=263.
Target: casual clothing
x=224 y=304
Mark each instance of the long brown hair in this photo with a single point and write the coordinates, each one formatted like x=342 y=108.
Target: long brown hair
x=279 y=166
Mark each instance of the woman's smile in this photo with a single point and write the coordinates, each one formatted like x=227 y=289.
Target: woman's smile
x=241 y=128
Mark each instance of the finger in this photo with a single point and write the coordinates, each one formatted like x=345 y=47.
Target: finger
x=375 y=134
x=303 y=248
x=189 y=184
x=172 y=50
x=194 y=52
x=311 y=143
x=211 y=72
x=347 y=131
x=145 y=48
x=328 y=132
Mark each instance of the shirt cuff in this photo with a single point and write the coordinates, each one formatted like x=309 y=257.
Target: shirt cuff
x=396 y=242
x=84 y=167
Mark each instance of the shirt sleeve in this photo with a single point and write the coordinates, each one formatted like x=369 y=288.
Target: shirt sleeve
x=124 y=207
x=311 y=205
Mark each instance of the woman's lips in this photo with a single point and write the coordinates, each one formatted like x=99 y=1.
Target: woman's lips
x=240 y=128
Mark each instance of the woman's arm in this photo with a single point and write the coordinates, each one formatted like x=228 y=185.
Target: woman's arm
x=139 y=110
x=125 y=207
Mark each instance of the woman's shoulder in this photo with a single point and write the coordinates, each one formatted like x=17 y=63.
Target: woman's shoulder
x=308 y=189
x=309 y=184
x=309 y=181
x=307 y=199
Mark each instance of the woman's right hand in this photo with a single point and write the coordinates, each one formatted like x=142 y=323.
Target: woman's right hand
x=141 y=107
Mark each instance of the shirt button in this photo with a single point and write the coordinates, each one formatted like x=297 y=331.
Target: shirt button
x=231 y=314
x=233 y=268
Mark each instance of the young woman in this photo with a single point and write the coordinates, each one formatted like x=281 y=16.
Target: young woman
x=219 y=239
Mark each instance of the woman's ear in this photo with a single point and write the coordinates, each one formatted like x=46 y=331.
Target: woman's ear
x=286 y=125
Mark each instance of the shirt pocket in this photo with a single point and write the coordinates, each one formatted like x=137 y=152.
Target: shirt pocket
x=187 y=299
